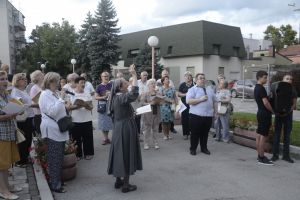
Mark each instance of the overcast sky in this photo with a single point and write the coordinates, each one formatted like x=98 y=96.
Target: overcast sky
x=135 y=15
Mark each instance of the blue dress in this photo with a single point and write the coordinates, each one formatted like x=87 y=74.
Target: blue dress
x=166 y=113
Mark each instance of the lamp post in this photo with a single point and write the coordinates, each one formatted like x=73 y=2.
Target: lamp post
x=73 y=62
x=153 y=42
x=43 y=66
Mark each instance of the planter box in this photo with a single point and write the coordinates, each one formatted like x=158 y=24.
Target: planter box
x=248 y=138
x=69 y=169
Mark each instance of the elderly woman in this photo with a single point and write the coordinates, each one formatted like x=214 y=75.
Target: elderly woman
x=151 y=120
x=125 y=153
x=183 y=89
x=102 y=93
x=223 y=97
x=82 y=132
x=68 y=89
x=166 y=112
x=8 y=149
x=37 y=78
x=25 y=123
x=53 y=108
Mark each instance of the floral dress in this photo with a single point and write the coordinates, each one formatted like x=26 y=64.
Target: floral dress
x=166 y=113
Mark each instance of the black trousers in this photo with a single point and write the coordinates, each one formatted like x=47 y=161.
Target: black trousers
x=185 y=122
x=82 y=133
x=37 y=123
x=138 y=123
x=27 y=128
x=199 y=131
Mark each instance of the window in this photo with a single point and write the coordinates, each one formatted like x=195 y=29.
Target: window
x=216 y=49
x=236 y=51
x=170 y=48
x=133 y=53
x=221 y=70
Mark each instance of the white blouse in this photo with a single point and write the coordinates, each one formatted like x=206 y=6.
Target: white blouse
x=25 y=98
x=34 y=91
x=51 y=104
x=81 y=115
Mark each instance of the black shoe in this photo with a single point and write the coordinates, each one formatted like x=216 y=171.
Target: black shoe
x=193 y=152
x=264 y=161
x=274 y=158
x=288 y=159
x=206 y=151
x=129 y=188
x=214 y=136
x=119 y=184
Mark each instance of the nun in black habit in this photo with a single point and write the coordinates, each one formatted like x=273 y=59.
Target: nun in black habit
x=125 y=153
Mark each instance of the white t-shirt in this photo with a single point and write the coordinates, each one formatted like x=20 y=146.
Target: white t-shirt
x=143 y=88
x=82 y=114
x=89 y=87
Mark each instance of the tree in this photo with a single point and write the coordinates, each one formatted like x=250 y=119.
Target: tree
x=83 y=59
x=103 y=38
x=54 y=44
x=143 y=62
x=284 y=35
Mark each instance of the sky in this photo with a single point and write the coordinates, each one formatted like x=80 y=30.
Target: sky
x=135 y=15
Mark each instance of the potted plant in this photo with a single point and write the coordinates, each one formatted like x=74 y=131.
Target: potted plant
x=244 y=133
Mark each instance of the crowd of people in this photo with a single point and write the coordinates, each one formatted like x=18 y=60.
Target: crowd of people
x=201 y=106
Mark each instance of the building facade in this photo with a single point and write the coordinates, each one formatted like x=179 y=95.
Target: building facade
x=200 y=46
x=12 y=34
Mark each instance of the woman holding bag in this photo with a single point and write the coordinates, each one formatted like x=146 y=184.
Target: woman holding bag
x=102 y=93
x=8 y=148
x=223 y=97
x=53 y=108
x=25 y=121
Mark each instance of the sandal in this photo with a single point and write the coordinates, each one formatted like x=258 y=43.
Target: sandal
x=60 y=190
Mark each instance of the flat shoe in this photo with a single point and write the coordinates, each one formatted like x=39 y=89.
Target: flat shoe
x=88 y=157
x=9 y=197
x=119 y=184
x=130 y=188
x=60 y=190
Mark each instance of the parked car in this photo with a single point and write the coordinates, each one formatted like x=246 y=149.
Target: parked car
x=239 y=87
x=231 y=83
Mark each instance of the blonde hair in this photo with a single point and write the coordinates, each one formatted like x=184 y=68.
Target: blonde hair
x=34 y=76
x=151 y=81
x=50 y=77
x=16 y=78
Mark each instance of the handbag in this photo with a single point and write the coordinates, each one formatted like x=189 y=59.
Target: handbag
x=101 y=108
x=22 y=117
x=221 y=109
x=19 y=136
x=64 y=124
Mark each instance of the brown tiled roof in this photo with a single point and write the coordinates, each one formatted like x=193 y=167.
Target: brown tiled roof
x=290 y=50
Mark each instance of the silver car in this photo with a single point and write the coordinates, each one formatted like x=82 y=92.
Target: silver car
x=239 y=87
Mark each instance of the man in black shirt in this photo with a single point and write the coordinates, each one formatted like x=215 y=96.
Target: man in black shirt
x=183 y=89
x=264 y=116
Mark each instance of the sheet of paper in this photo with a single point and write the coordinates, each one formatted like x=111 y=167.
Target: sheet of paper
x=12 y=108
x=180 y=108
x=36 y=98
x=143 y=110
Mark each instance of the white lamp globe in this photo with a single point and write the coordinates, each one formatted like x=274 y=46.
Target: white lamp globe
x=73 y=61
x=153 y=41
x=43 y=66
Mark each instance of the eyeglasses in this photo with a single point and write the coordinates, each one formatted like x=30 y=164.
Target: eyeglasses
x=3 y=79
x=201 y=78
x=23 y=79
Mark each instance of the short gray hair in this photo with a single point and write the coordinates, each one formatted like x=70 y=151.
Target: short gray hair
x=50 y=77
x=34 y=76
x=72 y=77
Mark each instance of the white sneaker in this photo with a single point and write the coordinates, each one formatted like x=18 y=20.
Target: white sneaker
x=10 y=197
x=165 y=137
x=146 y=146
x=156 y=146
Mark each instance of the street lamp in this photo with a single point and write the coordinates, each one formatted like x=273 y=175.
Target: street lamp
x=43 y=66
x=73 y=61
x=153 y=42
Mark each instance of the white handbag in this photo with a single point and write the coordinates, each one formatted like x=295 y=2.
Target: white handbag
x=20 y=136
x=221 y=109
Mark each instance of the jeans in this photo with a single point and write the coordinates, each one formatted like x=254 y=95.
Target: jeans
x=222 y=126
x=287 y=123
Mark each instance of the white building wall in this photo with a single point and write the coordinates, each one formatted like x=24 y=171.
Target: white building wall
x=232 y=67
x=178 y=66
x=4 y=31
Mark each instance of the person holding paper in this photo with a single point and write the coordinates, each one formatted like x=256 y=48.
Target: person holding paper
x=25 y=123
x=8 y=148
x=82 y=132
x=166 y=111
x=151 y=120
x=37 y=78
x=125 y=153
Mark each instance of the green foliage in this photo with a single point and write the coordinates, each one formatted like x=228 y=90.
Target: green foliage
x=143 y=62
x=103 y=37
x=54 y=44
x=284 y=35
x=238 y=119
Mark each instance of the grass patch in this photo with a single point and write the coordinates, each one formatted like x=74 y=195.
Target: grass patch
x=295 y=135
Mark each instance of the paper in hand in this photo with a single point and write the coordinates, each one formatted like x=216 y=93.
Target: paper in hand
x=14 y=106
x=143 y=110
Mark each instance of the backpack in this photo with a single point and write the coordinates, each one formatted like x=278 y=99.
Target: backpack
x=282 y=99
